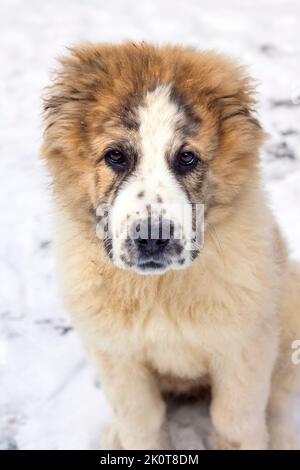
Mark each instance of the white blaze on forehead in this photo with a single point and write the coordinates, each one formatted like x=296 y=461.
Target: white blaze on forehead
x=158 y=117
x=153 y=177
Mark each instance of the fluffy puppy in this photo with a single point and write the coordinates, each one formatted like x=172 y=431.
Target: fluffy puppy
x=137 y=139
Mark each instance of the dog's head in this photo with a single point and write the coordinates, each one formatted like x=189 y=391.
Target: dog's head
x=144 y=141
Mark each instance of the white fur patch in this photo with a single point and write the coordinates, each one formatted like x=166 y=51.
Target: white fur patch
x=158 y=118
x=152 y=177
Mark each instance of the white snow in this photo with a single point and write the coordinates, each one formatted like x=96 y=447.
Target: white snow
x=49 y=396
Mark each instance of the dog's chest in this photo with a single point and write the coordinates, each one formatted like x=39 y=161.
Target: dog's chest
x=175 y=349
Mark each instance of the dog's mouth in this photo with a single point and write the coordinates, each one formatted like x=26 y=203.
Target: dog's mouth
x=151 y=267
x=155 y=264
x=172 y=257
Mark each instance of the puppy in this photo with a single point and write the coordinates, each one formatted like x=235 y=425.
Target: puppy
x=170 y=261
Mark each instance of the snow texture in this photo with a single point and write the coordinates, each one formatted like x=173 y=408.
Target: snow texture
x=49 y=395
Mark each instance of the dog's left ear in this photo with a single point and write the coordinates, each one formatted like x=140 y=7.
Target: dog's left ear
x=228 y=90
x=237 y=107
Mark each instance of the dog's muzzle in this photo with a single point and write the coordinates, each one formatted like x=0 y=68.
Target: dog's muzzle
x=151 y=241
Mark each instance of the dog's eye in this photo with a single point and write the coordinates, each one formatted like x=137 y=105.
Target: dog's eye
x=185 y=161
x=116 y=159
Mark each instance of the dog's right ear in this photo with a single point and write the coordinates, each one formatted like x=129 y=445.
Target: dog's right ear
x=68 y=103
x=75 y=83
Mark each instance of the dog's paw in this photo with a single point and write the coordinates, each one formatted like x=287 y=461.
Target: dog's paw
x=110 y=439
x=283 y=438
x=220 y=443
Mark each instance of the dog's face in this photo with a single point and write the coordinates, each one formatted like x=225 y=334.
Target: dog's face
x=152 y=162
x=143 y=142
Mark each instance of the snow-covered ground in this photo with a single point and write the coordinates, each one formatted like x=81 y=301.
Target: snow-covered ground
x=49 y=395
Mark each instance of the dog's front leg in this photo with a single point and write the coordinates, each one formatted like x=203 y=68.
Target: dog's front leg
x=139 y=411
x=241 y=385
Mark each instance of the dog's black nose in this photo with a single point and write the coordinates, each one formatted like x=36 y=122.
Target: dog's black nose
x=152 y=239
x=151 y=246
